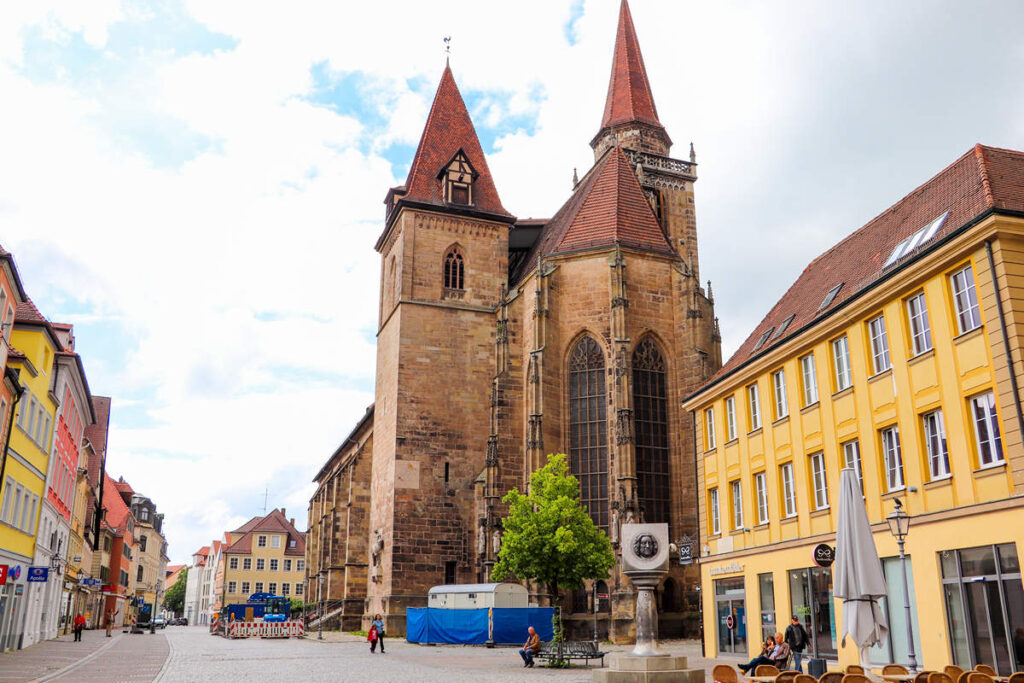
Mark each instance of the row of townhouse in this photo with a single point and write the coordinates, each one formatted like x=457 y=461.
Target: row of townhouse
x=59 y=510
x=264 y=555
x=897 y=354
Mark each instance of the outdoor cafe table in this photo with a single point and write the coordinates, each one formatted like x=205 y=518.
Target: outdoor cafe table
x=898 y=678
x=761 y=679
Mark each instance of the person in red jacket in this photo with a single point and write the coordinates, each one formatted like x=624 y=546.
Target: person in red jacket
x=78 y=625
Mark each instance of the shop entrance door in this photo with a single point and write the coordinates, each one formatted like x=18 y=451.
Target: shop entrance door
x=984 y=601
x=730 y=606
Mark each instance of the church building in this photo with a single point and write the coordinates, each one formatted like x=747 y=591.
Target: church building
x=501 y=341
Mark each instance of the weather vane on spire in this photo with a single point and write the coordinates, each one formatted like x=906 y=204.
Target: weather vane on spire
x=447 y=46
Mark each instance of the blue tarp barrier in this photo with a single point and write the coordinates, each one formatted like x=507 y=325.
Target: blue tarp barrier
x=510 y=624
x=470 y=626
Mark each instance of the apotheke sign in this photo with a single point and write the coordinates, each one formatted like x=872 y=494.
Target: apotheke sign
x=726 y=569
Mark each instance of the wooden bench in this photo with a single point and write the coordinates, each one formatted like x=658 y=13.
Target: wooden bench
x=572 y=649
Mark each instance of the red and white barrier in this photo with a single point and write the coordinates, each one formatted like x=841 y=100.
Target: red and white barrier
x=263 y=629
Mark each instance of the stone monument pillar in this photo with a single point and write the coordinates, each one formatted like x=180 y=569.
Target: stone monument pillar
x=645 y=558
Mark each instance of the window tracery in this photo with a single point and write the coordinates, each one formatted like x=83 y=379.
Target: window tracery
x=588 y=427
x=650 y=405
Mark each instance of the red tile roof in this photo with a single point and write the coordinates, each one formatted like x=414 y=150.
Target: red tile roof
x=607 y=208
x=982 y=179
x=448 y=130
x=28 y=314
x=273 y=522
x=629 y=91
x=117 y=511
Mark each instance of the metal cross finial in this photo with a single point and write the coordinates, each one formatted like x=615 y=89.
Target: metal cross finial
x=447 y=45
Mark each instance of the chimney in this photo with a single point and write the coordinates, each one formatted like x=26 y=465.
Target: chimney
x=283 y=513
x=292 y=520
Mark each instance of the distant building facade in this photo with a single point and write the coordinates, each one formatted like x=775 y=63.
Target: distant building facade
x=265 y=555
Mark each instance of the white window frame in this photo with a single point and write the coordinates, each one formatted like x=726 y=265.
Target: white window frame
x=5 y=511
x=300 y=565
x=258 y=587
x=736 y=489
x=275 y=541
x=880 y=360
x=761 y=489
x=286 y=588
x=920 y=327
x=261 y=565
x=988 y=417
x=246 y=588
x=779 y=389
x=755 y=407
x=709 y=427
x=841 y=363
x=232 y=587
x=851 y=458
x=274 y=564
x=714 y=513
x=965 y=300
x=788 y=490
x=272 y=587
x=298 y=588
x=730 y=418
x=287 y=565
x=247 y=564
x=233 y=563
x=819 y=481
x=809 y=371
x=936 y=448
x=892 y=453
x=261 y=541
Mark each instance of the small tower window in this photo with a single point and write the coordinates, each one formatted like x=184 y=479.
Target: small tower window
x=457 y=180
x=454 y=270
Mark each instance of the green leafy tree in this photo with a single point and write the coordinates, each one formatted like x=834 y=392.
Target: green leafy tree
x=549 y=537
x=174 y=600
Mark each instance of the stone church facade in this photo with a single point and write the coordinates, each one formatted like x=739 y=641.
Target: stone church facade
x=501 y=341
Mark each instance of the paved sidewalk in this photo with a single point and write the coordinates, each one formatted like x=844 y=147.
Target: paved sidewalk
x=51 y=656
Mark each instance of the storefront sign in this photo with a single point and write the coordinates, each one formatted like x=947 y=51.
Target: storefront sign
x=15 y=573
x=726 y=569
x=824 y=555
x=38 y=574
x=730 y=622
x=3 y=574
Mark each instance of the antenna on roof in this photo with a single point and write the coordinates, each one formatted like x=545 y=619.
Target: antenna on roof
x=266 y=494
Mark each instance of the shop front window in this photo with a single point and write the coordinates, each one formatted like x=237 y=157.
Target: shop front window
x=984 y=606
x=810 y=595
x=894 y=648
x=766 y=589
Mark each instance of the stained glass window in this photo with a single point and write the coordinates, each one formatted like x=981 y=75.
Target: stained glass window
x=588 y=427
x=650 y=404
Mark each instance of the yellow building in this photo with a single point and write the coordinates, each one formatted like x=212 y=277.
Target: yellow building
x=888 y=355
x=265 y=555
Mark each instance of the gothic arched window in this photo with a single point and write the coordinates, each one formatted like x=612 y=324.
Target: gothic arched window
x=650 y=417
x=454 y=270
x=588 y=428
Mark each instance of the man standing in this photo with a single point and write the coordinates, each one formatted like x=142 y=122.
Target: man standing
x=796 y=638
x=77 y=625
x=530 y=648
x=110 y=621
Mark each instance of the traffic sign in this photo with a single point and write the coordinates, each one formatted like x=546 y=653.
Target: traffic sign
x=602 y=596
x=730 y=622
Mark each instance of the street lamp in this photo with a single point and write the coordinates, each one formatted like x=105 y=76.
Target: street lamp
x=320 y=621
x=899 y=526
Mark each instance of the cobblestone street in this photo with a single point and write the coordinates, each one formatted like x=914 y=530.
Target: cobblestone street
x=192 y=655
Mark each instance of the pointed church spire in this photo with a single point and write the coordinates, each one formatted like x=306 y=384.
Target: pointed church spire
x=449 y=131
x=629 y=91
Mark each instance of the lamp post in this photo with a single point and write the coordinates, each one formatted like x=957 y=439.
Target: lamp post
x=899 y=526
x=320 y=596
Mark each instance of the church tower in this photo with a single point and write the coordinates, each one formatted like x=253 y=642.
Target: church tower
x=444 y=260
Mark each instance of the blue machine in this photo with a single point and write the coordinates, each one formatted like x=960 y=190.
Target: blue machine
x=265 y=606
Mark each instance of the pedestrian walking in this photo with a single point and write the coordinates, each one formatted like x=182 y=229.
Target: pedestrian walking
x=110 y=620
x=797 y=639
x=78 y=625
x=377 y=633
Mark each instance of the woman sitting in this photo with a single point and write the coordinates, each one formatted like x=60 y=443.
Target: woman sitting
x=775 y=652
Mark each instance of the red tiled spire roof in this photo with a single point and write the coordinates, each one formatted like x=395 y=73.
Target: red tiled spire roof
x=607 y=208
x=982 y=179
x=629 y=91
x=448 y=130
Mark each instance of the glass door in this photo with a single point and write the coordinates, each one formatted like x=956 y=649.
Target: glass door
x=810 y=597
x=730 y=607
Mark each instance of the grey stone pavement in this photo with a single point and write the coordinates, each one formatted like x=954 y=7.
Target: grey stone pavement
x=189 y=654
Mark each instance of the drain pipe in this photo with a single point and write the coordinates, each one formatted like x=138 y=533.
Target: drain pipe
x=1006 y=338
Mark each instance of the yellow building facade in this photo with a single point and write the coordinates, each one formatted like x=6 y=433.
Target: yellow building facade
x=265 y=555
x=888 y=356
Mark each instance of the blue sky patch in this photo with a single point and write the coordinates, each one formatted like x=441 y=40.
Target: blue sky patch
x=570 y=28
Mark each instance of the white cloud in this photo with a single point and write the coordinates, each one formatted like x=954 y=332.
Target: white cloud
x=221 y=223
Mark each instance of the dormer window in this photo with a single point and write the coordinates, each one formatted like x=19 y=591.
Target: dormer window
x=457 y=180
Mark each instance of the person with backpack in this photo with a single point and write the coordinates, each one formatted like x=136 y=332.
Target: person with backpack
x=797 y=639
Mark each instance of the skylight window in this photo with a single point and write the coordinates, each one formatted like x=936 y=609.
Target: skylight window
x=916 y=240
x=783 y=326
x=831 y=296
x=763 y=339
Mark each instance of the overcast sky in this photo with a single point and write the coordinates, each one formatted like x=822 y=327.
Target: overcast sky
x=197 y=186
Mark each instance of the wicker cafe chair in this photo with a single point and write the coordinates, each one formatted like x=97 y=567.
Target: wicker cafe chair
x=766 y=670
x=855 y=669
x=939 y=677
x=890 y=669
x=985 y=669
x=921 y=677
x=831 y=677
x=786 y=677
x=1017 y=677
x=856 y=678
x=723 y=673
x=954 y=672
x=978 y=677
x=962 y=678
x=805 y=678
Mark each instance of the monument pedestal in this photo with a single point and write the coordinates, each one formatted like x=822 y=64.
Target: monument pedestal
x=628 y=668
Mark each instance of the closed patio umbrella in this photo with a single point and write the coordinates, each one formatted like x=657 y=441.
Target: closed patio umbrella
x=859 y=581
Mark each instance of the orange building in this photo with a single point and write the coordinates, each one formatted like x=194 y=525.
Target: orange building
x=120 y=544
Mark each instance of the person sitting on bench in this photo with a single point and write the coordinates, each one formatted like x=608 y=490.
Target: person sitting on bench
x=779 y=654
x=530 y=648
